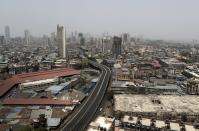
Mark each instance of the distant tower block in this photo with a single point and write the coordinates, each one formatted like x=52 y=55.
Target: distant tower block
x=7 y=33
x=61 y=41
x=116 y=47
x=27 y=37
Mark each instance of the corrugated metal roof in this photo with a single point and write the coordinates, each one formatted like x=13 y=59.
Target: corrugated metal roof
x=53 y=122
x=166 y=87
x=65 y=84
x=55 y=89
x=116 y=129
x=34 y=76
x=19 y=101
x=35 y=113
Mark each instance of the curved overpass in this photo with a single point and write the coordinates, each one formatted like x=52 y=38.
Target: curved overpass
x=81 y=118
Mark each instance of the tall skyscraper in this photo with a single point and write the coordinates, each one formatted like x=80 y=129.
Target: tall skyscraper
x=7 y=32
x=2 y=40
x=106 y=44
x=53 y=39
x=81 y=39
x=61 y=41
x=125 y=39
x=27 y=37
x=116 y=47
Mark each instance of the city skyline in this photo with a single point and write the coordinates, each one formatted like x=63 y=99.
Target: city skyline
x=99 y=65
x=157 y=19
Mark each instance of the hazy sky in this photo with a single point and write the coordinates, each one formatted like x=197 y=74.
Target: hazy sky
x=157 y=19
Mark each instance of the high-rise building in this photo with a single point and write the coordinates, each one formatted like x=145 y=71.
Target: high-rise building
x=106 y=44
x=61 y=41
x=2 y=40
x=81 y=39
x=53 y=35
x=125 y=39
x=80 y=35
x=27 y=37
x=116 y=47
x=53 y=39
x=7 y=32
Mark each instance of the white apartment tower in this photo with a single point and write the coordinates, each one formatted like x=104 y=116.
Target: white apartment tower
x=7 y=32
x=27 y=37
x=125 y=39
x=61 y=41
x=106 y=44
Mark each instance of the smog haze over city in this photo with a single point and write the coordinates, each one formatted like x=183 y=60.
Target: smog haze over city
x=99 y=65
x=156 y=19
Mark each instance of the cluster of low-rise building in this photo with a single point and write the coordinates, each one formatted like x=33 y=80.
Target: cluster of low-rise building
x=24 y=97
x=153 y=82
x=162 y=74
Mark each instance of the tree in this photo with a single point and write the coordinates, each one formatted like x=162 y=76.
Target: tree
x=52 y=65
x=130 y=118
x=184 y=117
x=153 y=122
x=42 y=120
x=26 y=128
x=120 y=115
x=41 y=129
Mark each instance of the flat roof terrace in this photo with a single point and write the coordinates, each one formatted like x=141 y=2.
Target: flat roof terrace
x=156 y=104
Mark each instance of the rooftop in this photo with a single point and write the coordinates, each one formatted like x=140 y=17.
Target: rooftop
x=53 y=122
x=165 y=103
x=20 y=101
x=6 y=85
x=166 y=87
x=54 y=89
x=35 y=113
x=172 y=61
x=122 y=84
x=158 y=123
x=73 y=95
x=102 y=122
